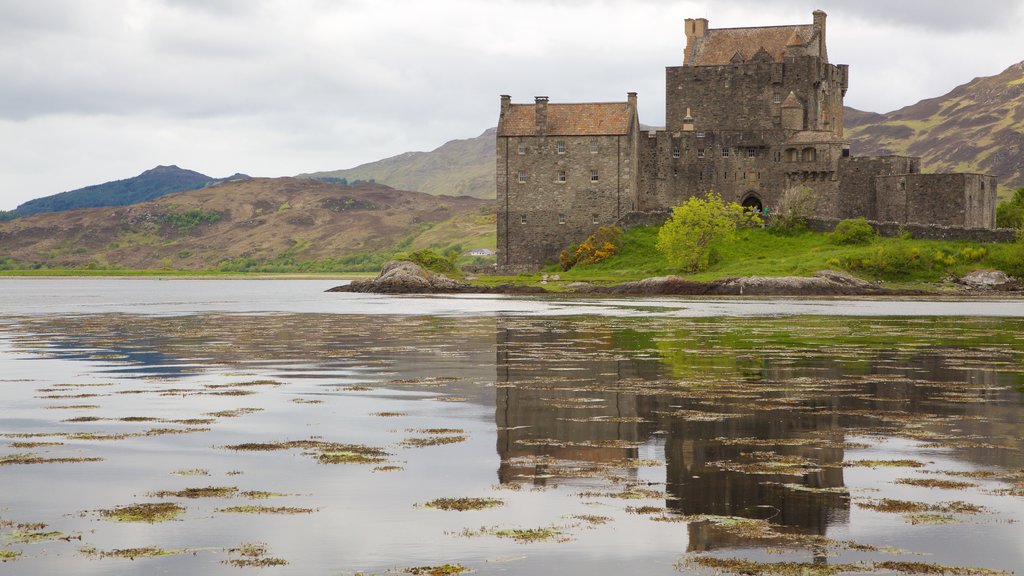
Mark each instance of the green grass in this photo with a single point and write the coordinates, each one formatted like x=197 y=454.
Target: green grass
x=756 y=252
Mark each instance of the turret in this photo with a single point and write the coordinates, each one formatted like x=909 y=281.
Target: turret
x=819 y=29
x=792 y=113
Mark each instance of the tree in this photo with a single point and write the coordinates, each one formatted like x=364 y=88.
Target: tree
x=1010 y=213
x=686 y=239
x=794 y=209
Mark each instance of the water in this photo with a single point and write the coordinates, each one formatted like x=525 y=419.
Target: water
x=644 y=435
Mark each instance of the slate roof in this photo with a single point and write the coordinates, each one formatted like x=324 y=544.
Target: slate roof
x=593 y=119
x=719 y=45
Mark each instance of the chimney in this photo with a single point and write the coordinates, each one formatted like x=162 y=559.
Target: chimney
x=819 y=27
x=695 y=29
x=541 y=103
x=631 y=99
x=506 y=104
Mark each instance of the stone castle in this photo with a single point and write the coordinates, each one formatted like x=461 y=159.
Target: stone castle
x=751 y=113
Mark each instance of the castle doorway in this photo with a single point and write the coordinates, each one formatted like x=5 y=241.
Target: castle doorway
x=753 y=203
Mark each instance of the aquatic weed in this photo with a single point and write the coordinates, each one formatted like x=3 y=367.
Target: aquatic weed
x=463 y=504
x=148 y=512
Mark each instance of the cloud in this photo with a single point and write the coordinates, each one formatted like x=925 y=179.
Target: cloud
x=103 y=90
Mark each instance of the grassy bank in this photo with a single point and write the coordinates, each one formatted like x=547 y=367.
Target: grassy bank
x=758 y=252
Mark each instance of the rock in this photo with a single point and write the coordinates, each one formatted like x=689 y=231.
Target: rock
x=403 y=277
x=579 y=286
x=988 y=280
x=824 y=283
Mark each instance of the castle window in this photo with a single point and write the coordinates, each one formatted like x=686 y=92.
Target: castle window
x=522 y=148
x=522 y=177
x=522 y=219
x=725 y=152
x=561 y=175
x=593 y=175
x=700 y=152
x=792 y=155
x=561 y=218
x=594 y=147
x=700 y=134
x=982 y=185
x=778 y=156
x=777 y=98
x=594 y=218
x=809 y=155
x=560 y=146
x=751 y=152
x=675 y=150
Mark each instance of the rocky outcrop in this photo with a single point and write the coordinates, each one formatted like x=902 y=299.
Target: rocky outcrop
x=824 y=283
x=404 y=277
x=989 y=280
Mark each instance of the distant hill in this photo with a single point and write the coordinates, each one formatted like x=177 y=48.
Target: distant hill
x=149 y=185
x=458 y=168
x=241 y=223
x=977 y=127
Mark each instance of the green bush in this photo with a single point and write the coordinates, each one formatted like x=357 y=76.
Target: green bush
x=1010 y=214
x=601 y=245
x=186 y=221
x=432 y=261
x=852 y=231
x=686 y=239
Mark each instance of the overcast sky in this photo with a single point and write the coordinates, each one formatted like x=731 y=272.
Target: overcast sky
x=92 y=91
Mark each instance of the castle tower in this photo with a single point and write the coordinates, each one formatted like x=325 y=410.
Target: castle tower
x=792 y=113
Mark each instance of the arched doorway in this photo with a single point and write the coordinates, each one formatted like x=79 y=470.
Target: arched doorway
x=753 y=203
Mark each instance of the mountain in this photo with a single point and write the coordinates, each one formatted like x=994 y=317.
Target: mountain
x=976 y=127
x=459 y=167
x=149 y=185
x=268 y=220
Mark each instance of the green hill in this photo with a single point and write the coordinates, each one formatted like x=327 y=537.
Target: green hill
x=458 y=168
x=149 y=185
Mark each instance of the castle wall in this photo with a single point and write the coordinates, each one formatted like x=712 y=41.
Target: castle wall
x=966 y=200
x=749 y=96
x=857 y=195
x=539 y=217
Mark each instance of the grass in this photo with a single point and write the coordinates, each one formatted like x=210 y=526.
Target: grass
x=757 y=252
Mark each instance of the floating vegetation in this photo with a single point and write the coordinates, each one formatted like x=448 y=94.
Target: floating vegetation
x=261 y=494
x=592 y=519
x=739 y=566
x=306 y=401
x=389 y=414
x=131 y=553
x=389 y=468
x=890 y=505
x=463 y=504
x=432 y=441
x=645 y=510
x=266 y=510
x=925 y=568
x=936 y=483
x=207 y=492
x=191 y=472
x=243 y=384
x=149 y=512
x=74 y=407
x=12 y=459
x=35 y=444
x=28 y=537
x=883 y=464
x=253 y=555
x=9 y=555
x=234 y=413
x=323 y=452
x=522 y=535
x=766 y=462
x=444 y=570
x=628 y=493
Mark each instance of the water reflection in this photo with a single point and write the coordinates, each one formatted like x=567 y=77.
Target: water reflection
x=775 y=419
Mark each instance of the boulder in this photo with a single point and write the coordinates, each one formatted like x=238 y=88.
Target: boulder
x=988 y=280
x=404 y=277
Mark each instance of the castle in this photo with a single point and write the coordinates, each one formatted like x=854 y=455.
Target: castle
x=751 y=113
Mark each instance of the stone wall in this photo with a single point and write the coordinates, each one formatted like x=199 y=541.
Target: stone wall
x=857 y=195
x=963 y=200
x=539 y=217
x=924 y=231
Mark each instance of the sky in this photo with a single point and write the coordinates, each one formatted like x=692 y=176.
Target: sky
x=103 y=90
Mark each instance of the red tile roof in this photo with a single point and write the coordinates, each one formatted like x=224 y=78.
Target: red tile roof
x=719 y=45
x=606 y=118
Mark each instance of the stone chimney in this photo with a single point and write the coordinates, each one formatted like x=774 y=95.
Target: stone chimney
x=541 y=103
x=506 y=104
x=819 y=28
x=696 y=29
x=631 y=99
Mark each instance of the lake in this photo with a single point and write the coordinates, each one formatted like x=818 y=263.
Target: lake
x=231 y=426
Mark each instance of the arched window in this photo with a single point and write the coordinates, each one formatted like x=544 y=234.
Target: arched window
x=792 y=155
x=810 y=155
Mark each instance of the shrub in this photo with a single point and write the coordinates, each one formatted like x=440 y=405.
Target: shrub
x=433 y=261
x=686 y=238
x=794 y=209
x=852 y=231
x=1010 y=214
x=601 y=245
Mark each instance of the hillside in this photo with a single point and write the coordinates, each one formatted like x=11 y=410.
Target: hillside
x=149 y=185
x=284 y=220
x=977 y=127
x=459 y=167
